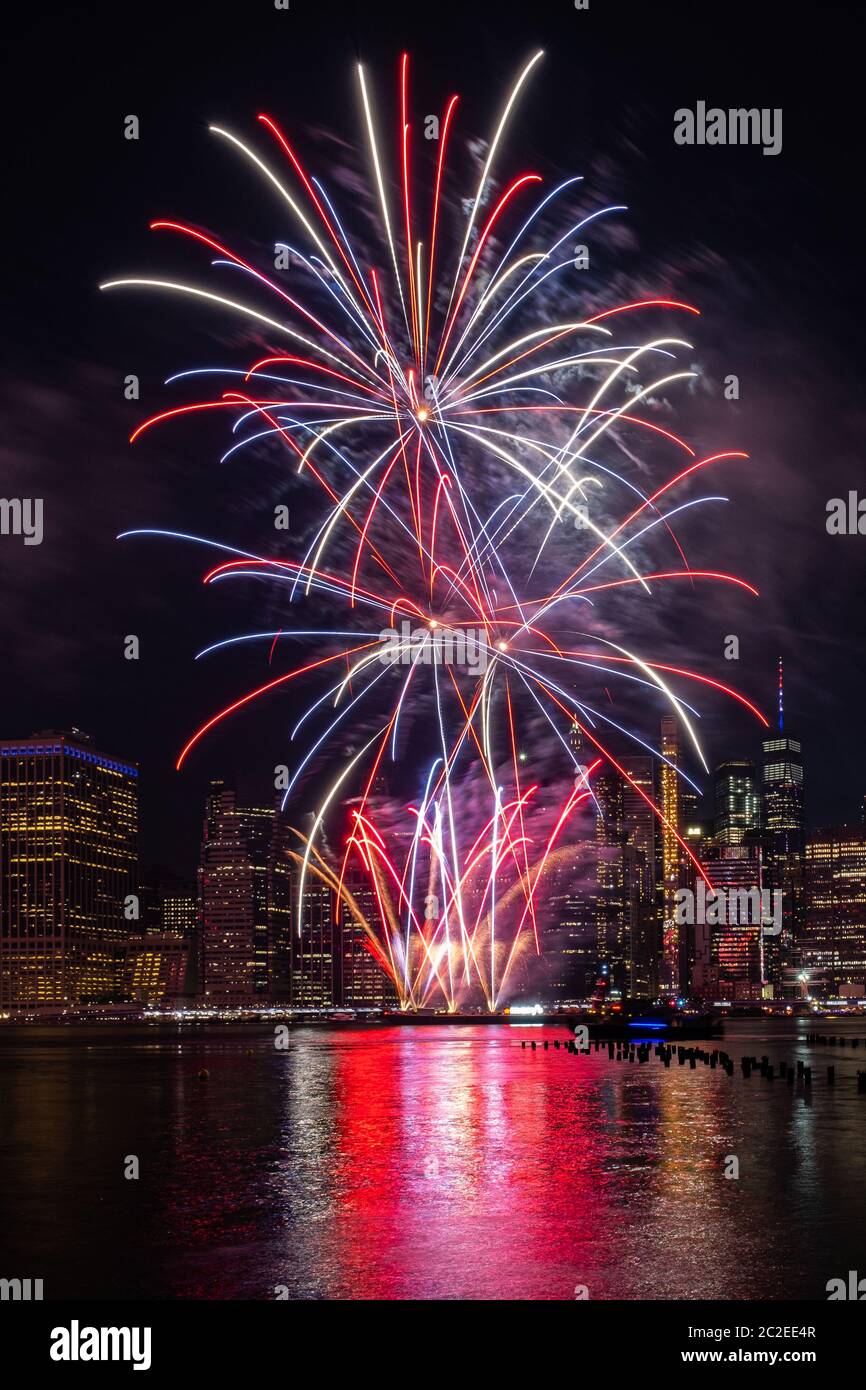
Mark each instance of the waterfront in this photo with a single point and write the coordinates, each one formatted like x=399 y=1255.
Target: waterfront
x=387 y=1162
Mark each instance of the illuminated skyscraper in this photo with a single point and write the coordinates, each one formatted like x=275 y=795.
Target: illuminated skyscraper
x=783 y=785
x=167 y=901
x=640 y=828
x=570 y=951
x=613 y=904
x=729 y=954
x=317 y=958
x=784 y=829
x=737 y=804
x=162 y=961
x=783 y=778
x=179 y=907
x=831 y=947
x=157 y=967
x=364 y=982
x=670 y=981
x=569 y=922
x=68 y=846
x=244 y=900
x=626 y=918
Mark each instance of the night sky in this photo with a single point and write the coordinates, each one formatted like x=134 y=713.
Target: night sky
x=769 y=248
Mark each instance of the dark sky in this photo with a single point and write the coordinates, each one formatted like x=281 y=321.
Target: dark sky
x=770 y=248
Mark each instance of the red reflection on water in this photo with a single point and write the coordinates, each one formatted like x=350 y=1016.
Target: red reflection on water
x=449 y=1139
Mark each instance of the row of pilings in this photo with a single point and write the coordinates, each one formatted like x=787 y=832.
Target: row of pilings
x=822 y=1040
x=639 y=1053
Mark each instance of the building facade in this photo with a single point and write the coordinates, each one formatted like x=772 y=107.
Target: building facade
x=365 y=984
x=163 y=957
x=641 y=832
x=157 y=967
x=737 y=803
x=244 y=900
x=317 y=954
x=68 y=855
x=783 y=837
x=831 y=945
x=670 y=975
x=729 y=952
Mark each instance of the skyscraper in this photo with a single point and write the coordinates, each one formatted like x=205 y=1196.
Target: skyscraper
x=831 y=948
x=783 y=785
x=244 y=900
x=157 y=967
x=364 y=982
x=626 y=907
x=570 y=924
x=570 y=928
x=737 y=804
x=162 y=954
x=68 y=846
x=167 y=901
x=317 y=956
x=784 y=828
x=613 y=898
x=729 y=955
x=640 y=828
x=783 y=777
x=670 y=979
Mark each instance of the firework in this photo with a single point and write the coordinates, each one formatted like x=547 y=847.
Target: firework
x=453 y=430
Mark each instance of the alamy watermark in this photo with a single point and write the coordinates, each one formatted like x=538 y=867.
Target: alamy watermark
x=736 y=126
x=20 y=1290
x=846 y=516
x=77 y=1343
x=22 y=516
x=732 y=907
x=434 y=646
x=841 y=1290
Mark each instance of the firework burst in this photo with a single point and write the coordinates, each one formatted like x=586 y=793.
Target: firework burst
x=457 y=437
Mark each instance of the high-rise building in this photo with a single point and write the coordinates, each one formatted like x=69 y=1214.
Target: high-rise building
x=244 y=900
x=570 y=928
x=831 y=947
x=365 y=984
x=163 y=954
x=317 y=948
x=641 y=831
x=784 y=818
x=670 y=979
x=569 y=916
x=158 y=966
x=737 y=803
x=729 y=954
x=626 y=901
x=180 y=907
x=68 y=849
x=783 y=832
x=782 y=790
x=614 y=898
x=697 y=836
x=168 y=901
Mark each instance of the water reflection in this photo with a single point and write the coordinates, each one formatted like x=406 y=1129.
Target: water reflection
x=422 y=1162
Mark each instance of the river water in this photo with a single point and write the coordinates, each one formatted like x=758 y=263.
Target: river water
x=424 y=1162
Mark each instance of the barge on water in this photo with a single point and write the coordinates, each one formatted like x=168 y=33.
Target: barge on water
x=667 y=1025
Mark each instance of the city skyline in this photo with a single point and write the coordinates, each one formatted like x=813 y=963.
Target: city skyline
x=230 y=934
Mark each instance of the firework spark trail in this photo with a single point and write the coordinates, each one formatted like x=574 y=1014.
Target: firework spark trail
x=441 y=498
